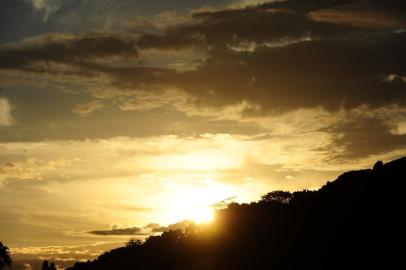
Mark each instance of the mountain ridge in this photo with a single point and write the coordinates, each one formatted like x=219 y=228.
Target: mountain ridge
x=349 y=223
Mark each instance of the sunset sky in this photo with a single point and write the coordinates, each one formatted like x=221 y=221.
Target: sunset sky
x=121 y=117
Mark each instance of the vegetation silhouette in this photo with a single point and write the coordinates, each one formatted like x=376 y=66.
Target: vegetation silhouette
x=350 y=223
x=47 y=266
x=5 y=258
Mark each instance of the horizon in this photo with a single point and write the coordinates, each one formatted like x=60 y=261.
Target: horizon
x=119 y=119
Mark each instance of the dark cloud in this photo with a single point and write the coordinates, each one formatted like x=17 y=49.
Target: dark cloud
x=336 y=66
x=273 y=55
x=363 y=138
x=330 y=73
x=256 y=23
x=306 y=5
x=68 y=49
x=339 y=66
x=125 y=231
x=182 y=225
x=150 y=229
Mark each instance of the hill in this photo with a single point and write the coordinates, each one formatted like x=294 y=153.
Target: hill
x=350 y=223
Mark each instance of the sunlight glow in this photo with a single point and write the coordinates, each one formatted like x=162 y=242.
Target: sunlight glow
x=198 y=214
x=195 y=202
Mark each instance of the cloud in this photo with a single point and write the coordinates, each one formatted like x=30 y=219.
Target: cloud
x=6 y=119
x=233 y=26
x=291 y=63
x=270 y=65
x=361 y=138
x=64 y=48
x=245 y=3
x=30 y=168
x=182 y=225
x=370 y=14
x=125 y=231
x=294 y=141
x=148 y=100
x=87 y=108
x=395 y=78
x=304 y=138
x=31 y=257
x=149 y=229
x=172 y=169
x=49 y=6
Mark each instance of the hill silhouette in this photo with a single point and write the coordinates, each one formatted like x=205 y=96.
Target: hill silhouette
x=353 y=222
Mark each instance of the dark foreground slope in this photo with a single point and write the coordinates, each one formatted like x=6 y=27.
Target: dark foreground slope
x=351 y=223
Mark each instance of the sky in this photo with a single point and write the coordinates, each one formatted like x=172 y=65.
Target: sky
x=120 y=119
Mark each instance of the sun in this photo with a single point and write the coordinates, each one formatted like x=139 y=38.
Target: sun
x=191 y=202
x=204 y=215
x=197 y=213
x=194 y=205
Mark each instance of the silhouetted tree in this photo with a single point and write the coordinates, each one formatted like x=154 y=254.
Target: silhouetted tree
x=278 y=196
x=378 y=165
x=5 y=258
x=133 y=242
x=45 y=265
x=52 y=266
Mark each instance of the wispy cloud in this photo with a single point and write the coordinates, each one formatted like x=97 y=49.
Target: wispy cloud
x=368 y=14
x=48 y=6
x=6 y=119
x=87 y=108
